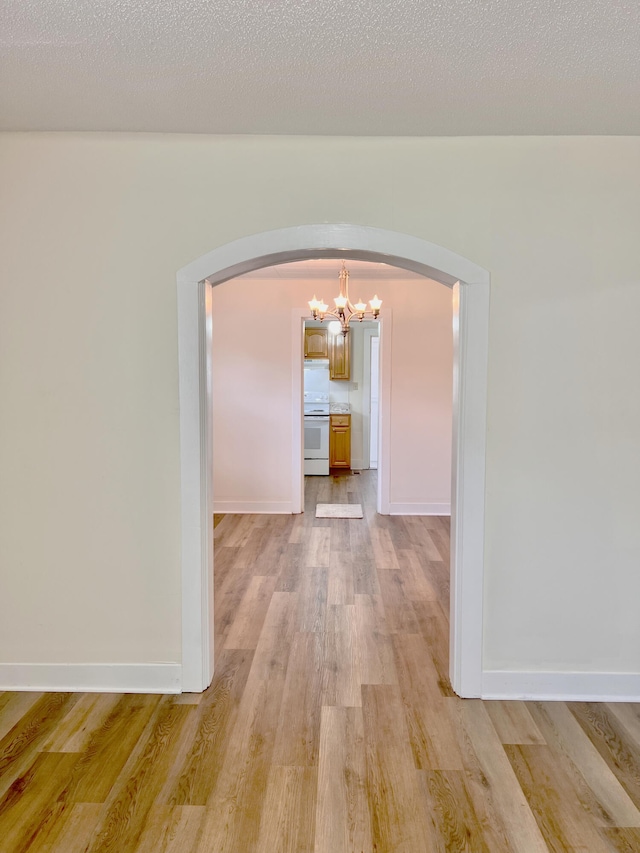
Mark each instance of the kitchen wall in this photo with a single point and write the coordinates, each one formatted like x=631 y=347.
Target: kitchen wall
x=93 y=229
x=252 y=392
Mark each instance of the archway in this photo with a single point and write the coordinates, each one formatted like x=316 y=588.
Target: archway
x=470 y=285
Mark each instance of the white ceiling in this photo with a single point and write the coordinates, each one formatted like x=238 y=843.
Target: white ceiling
x=349 y=67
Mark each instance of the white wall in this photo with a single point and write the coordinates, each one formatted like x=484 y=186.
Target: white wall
x=252 y=374
x=252 y=396
x=93 y=229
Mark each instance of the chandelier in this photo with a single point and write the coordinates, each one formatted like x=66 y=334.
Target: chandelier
x=345 y=310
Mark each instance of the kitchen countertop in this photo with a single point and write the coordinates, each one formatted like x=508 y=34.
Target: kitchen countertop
x=340 y=409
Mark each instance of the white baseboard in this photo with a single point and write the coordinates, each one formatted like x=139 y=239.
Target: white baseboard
x=253 y=507
x=358 y=465
x=419 y=509
x=92 y=677
x=565 y=686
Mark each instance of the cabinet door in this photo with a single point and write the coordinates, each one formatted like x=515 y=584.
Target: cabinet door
x=340 y=361
x=340 y=444
x=316 y=343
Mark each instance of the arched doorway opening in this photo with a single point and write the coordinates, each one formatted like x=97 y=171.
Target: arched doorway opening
x=470 y=285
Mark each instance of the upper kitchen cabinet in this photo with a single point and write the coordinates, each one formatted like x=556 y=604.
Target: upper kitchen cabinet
x=316 y=343
x=339 y=356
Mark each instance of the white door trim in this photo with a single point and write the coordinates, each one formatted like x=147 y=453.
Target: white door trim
x=471 y=325
x=196 y=483
x=384 y=415
x=366 y=394
x=297 y=424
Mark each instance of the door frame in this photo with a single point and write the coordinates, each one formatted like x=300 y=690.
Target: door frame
x=367 y=389
x=471 y=287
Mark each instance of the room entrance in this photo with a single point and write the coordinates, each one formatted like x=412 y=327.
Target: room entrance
x=470 y=285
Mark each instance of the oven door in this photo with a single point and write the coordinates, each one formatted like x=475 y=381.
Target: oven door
x=316 y=437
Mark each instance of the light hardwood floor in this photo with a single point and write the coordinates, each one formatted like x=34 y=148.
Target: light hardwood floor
x=330 y=727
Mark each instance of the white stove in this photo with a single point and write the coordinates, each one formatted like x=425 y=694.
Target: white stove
x=316 y=433
x=316 y=404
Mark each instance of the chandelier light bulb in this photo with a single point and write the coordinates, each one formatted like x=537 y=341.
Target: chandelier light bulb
x=341 y=302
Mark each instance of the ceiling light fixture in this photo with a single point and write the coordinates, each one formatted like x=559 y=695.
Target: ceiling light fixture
x=345 y=310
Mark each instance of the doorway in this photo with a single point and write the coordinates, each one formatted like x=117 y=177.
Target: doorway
x=341 y=395
x=470 y=285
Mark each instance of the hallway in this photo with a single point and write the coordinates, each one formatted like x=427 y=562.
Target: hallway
x=330 y=726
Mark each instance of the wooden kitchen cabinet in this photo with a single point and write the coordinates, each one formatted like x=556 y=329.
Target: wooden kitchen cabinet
x=316 y=343
x=340 y=441
x=339 y=356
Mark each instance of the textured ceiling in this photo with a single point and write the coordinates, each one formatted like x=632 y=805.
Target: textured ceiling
x=351 y=67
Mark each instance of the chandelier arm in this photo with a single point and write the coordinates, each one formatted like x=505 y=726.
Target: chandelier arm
x=330 y=314
x=346 y=318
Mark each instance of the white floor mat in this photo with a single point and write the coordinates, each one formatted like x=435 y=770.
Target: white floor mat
x=338 y=511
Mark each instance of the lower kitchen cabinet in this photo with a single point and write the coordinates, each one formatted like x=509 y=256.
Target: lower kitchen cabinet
x=340 y=441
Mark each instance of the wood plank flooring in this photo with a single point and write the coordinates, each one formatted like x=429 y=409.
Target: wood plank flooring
x=330 y=726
